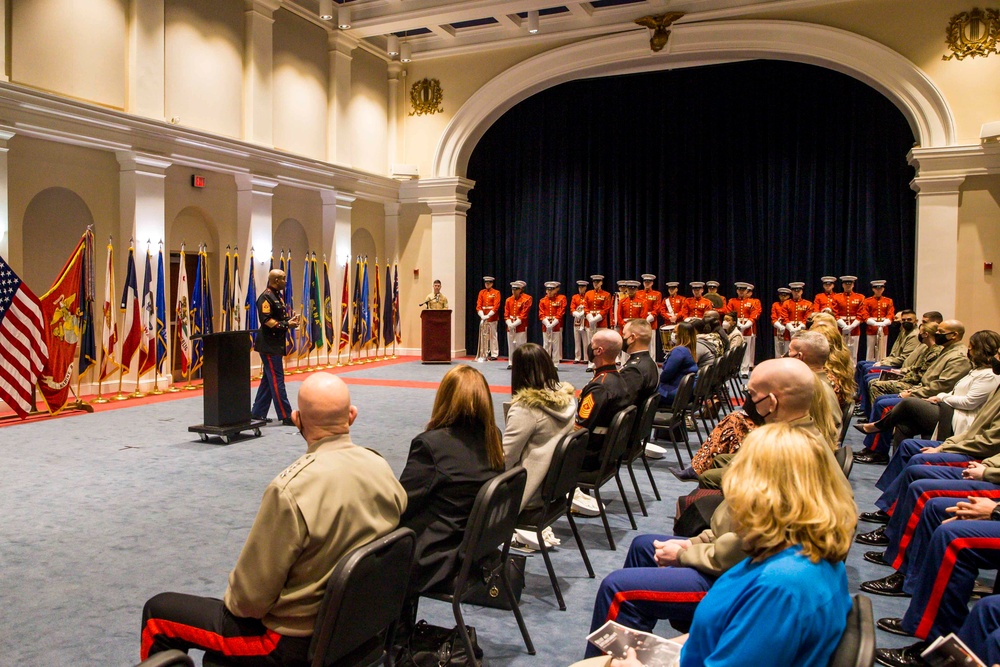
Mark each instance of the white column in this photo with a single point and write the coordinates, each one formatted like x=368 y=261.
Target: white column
x=254 y=225
x=146 y=63
x=936 y=265
x=142 y=211
x=392 y=105
x=449 y=203
x=3 y=42
x=258 y=71
x=5 y=137
x=337 y=245
x=338 y=132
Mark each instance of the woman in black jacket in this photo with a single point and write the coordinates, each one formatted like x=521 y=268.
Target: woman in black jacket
x=448 y=464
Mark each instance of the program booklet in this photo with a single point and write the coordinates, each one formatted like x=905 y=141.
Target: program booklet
x=950 y=651
x=890 y=374
x=651 y=650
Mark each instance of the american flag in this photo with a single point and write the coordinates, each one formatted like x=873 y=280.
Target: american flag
x=23 y=352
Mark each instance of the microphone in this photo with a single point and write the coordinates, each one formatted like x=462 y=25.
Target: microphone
x=425 y=303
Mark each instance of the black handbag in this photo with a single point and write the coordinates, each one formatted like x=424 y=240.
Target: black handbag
x=488 y=591
x=434 y=646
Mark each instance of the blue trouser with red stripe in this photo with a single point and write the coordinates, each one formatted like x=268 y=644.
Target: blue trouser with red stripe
x=900 y=459
x=950 y=562
x=981 y=630
x=272 y=388
x=935 y=483
x=179 y=621
x=881 y=442
x=642 y=593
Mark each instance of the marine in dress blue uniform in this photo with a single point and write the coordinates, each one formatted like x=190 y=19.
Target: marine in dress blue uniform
x=270 y=344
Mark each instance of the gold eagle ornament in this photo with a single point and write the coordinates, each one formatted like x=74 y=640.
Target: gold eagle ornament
x=660 y=25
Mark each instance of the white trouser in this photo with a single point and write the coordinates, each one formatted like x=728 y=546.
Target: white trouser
x=580 y=344
x=552 y=342
x=590 y=335
x=876 y=348
x=514 y=340
x=748 y=354
x=851 y=341
x=493 y=349
x=780 y=347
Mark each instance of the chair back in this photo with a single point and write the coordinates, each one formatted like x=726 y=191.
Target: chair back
x=845 y=424
x=616 y=442
x=641 y=427
x=560 y=480
x=171 y=658
x=704 y=382
x=364 y=597
x=493 y=519
x=857 y=645
x=845 y=458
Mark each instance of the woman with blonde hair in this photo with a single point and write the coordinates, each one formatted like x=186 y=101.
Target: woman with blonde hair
x=448 y=463
x=839 y=367
x=786 y=604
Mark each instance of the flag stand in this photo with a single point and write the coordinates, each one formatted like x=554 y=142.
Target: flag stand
x=100 y=399
x=156 y=391
x=394 y=348
x=189 y=386
x=120 y=396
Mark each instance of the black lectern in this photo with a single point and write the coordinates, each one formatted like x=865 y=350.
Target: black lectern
x=226 y=374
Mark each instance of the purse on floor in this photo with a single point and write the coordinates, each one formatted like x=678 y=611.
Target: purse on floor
x=488 y=591
x=434 y=646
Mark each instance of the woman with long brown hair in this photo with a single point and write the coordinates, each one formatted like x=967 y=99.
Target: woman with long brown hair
x=448 y=463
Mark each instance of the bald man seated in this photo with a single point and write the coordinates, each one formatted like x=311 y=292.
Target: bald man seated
x=779 y=390
x=334 y=498
x=604 y=396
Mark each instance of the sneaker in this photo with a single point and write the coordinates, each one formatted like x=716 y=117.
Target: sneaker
x=585 y=505
x=689 y=423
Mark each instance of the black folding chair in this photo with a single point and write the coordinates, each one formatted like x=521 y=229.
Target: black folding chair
x=857 y=645
x=615 y=443
x=672 y=421
x=363 y=600
x=491 y=526
x=845 y=425
x=171 y=658
x=557 y=498
x=703 y=388
x=641 y=428
x=845 y=459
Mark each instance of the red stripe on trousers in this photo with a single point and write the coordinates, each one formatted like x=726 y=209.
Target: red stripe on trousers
x=275 y=396
x=918 y=510
x=649 y=596
x=944 y=576
x=878 y=434
x=242 y=646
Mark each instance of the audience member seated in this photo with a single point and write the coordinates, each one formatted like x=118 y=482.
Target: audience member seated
x=706 y=351
x=447 y=466
x=779 y=390
x=730 y=325
x=812 y=349
x=913 y=369
x=541 y=412
x=905 y=343
x=787 y=604
x=712 y=327
x=951 y=413
x=333 y=499
x=639 y=372
x=604 y=396
x=679 y=362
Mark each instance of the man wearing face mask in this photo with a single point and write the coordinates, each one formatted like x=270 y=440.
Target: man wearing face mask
x=334 y=498
x=639 y=373
x=779 y=390
x=905 y=343
x=664 y=577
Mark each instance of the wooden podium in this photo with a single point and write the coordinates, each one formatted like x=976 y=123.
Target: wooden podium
x=226 y=372
x=435 y=336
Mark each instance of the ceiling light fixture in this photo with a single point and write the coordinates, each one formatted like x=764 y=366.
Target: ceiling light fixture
x=392 y=45
x=533 y=22
x=405 y=52
x=343 y=17
x=326 y=9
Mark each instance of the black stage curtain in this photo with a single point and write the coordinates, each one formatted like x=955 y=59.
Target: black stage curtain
x=762 y=171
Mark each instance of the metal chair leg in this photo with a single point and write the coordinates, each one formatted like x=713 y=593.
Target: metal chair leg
x=604 y=518
x=628 y=506
x=649 y=472
x=548 y=566
x=516 y=609
x=456 y=607
x=579 y=542
x=638 y=493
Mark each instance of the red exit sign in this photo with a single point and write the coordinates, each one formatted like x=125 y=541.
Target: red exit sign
x=197 y=181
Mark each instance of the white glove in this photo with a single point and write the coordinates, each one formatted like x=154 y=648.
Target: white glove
x=598 y=317
x=743 y=324
x=842 y=324
x=871 y=321
x=517 y=322
x=778 y=326
x=577 y=317
x=882 y=322
x=550 y=327
x=650 y=318
x=850 y=327
x=591 y=318
x=688 y=319
x=828 y=310
x=482 y=317
x=489 y=314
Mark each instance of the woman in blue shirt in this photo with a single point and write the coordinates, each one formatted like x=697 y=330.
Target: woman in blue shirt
x=678 y=363
x=787 y=604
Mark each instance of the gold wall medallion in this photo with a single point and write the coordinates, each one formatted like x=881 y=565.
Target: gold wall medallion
x=660 y=25
x=973 y=33
x=426 y=96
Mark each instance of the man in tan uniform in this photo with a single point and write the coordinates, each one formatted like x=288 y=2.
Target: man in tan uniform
x=334 y=498
x=436 y=300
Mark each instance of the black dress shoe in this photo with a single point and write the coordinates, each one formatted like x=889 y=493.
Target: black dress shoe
x=861 y=420
x=877 y=557
x=871 y=457
x=893 y=626
x=287 y=421
x=875 y=517
x=861 y=428
x=908 y=656
x=875 y=538
x=892 y=587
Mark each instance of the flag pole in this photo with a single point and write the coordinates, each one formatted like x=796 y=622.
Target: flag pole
x=156 y=338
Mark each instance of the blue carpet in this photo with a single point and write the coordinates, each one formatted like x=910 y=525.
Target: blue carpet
x=102 y=511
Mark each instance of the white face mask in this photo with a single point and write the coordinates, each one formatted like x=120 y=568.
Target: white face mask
x=727 y=325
